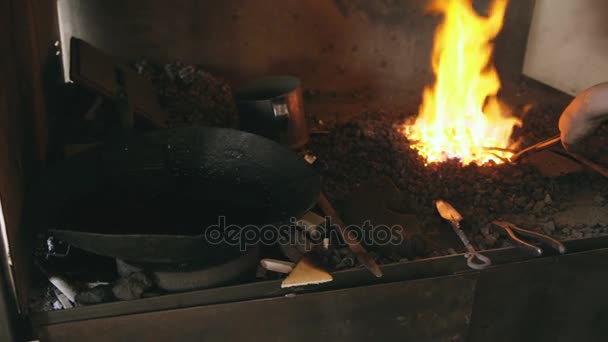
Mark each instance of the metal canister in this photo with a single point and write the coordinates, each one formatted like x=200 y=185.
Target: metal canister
x=273 y=107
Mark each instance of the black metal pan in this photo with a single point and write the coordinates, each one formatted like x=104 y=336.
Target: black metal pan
x=150 y=198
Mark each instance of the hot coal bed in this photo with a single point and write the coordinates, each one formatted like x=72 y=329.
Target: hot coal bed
x=369 y=172
x=547 y=192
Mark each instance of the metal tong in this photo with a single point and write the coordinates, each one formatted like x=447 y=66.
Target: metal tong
x=514 y=232
x=546 y=144
x=475 y=260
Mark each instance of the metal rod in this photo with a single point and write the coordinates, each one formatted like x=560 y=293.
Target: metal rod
x=595 y=167
x=554 y=141
x=536 y=147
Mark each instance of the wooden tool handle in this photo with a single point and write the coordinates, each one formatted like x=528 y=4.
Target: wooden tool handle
x=358 y=250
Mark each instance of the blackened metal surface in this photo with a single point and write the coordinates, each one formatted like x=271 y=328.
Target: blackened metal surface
x=427 y=310
x=549 y=299
x=172 y=185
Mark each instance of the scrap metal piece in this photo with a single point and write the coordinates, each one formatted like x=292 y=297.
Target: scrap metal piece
x=306 y=272
x=65 y=302
x=475 y=260
x=278 y=266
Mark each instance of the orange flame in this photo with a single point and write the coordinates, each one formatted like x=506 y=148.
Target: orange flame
x=460 y=116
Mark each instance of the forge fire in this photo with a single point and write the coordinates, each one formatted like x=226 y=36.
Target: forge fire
x=460 y=116
x=395 y=169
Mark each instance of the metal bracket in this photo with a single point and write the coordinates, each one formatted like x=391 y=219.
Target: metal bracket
x=280 y=108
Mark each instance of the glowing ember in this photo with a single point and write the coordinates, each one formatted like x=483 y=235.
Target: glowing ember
x=460 y=116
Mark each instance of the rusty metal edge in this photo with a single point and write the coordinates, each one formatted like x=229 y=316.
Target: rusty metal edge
x=412 y=270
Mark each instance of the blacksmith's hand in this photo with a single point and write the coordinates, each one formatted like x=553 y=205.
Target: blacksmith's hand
x=584 y=115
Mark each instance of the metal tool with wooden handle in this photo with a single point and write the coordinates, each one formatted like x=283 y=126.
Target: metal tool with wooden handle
x=475 y=260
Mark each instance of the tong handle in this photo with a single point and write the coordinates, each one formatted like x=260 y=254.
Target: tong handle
x=542 y=238
x=513 y=231
x=537 y=251
x=477 y=261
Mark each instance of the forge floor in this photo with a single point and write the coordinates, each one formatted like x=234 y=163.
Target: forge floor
x=547 y=191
